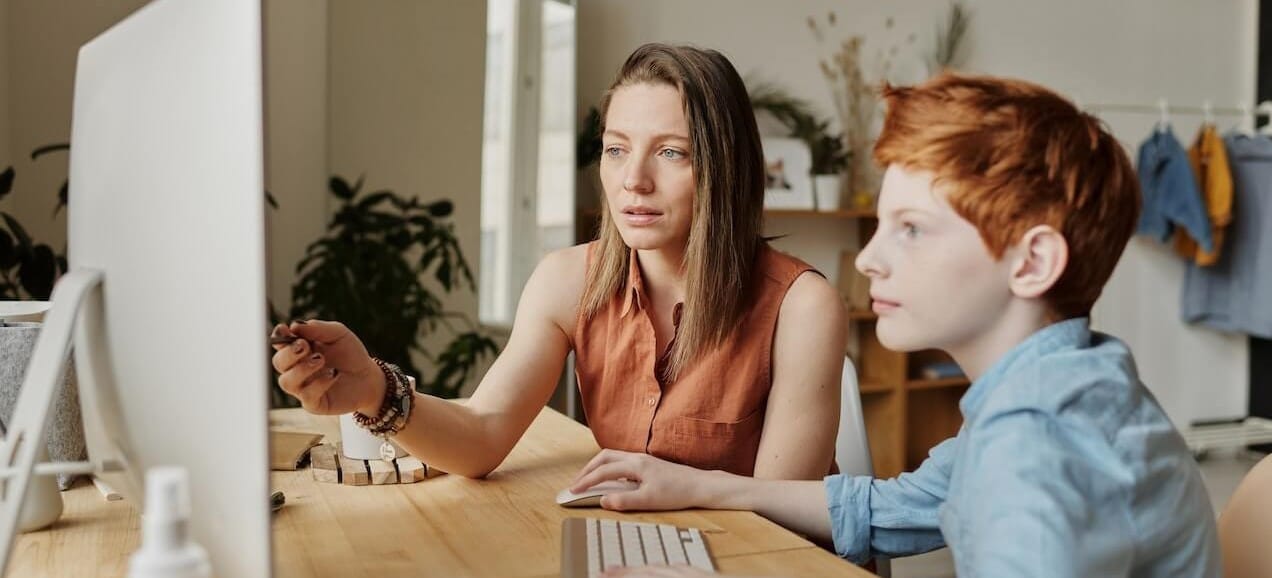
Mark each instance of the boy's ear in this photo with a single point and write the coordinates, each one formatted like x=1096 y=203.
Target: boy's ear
x=1040 y=258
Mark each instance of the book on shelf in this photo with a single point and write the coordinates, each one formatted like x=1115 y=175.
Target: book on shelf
x=941 y=370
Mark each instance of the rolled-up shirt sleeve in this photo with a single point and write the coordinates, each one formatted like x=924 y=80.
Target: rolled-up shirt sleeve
x=895 y=517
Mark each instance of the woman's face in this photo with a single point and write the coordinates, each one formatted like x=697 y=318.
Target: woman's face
x=645 y=167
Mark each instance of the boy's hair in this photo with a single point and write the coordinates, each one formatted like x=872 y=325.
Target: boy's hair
x=1015 y=155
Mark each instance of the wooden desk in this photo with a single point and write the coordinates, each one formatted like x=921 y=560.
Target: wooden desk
x=507 y=525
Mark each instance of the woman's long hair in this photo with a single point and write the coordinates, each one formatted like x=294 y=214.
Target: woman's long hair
x=728 y=168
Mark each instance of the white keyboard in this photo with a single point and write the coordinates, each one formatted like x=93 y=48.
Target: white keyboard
x=590 y=546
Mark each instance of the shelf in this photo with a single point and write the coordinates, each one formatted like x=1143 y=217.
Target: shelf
x=868 y=387
x=838 y=214
x=936 y=383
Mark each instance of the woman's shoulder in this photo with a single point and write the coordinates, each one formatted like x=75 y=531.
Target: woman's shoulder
x=559 y=280
x=781 y=268
x=568 y=260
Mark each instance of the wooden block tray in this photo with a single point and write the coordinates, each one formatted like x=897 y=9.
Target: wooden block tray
x=330 y=465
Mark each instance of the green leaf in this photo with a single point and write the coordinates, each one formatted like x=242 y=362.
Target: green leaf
x=8 y=252
x=374 y=199
x=441 y=208
x=341 y=189
x=38 y=272
x=63 y=197
x=24 y=240
x=37 y=153
x=6 y=182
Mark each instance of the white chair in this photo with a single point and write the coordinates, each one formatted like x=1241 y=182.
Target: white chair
x=852 y=447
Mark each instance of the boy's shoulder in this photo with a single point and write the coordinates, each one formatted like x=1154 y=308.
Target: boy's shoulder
x=1094 y=383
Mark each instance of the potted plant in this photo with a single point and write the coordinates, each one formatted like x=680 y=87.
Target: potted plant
x=28 y=269
x=369 y=271
x=828 y=153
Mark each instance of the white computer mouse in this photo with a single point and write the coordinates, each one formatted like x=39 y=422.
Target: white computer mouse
x=591 y=497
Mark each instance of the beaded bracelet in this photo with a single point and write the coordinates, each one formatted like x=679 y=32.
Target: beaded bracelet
x=394 y=412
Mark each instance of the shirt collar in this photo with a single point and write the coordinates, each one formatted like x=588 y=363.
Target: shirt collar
x=635 y=290
x=1074 y=332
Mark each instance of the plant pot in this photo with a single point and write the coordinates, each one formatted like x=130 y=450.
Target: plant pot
x=64 y=432
x=827 y=191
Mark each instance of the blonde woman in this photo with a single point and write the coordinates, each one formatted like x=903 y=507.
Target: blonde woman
x=694 y=340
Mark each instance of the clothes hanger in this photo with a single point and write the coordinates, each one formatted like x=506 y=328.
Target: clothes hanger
x=1163 y=123
x=1245 y=126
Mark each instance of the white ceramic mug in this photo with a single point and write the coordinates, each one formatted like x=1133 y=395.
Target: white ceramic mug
x=357 y=443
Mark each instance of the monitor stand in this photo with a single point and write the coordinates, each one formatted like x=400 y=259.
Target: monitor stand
x=76 y=313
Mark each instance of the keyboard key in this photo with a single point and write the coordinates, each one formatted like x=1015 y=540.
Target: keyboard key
x=672 y=545
x=593 y=548
x=633 y=554
x=696 y=548
x=649 y=536
x=611 y=547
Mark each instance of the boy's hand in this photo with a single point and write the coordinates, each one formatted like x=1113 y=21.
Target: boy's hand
x=663 y=485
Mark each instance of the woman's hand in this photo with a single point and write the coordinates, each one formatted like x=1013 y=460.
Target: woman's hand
x=663 y=485
x=328 y=369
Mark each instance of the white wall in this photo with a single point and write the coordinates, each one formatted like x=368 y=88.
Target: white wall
x=296 y=139
x=1129 y=51
x=5 y=158
x=406 y=80
x=43 y=39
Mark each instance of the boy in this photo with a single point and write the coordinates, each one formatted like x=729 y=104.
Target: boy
x=1003 y=212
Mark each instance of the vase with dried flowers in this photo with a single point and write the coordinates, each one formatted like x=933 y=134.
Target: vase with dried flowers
x=853 y=91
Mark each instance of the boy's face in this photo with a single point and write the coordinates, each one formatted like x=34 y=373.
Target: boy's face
x=933 y=282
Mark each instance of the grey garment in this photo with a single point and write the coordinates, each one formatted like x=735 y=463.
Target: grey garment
x=1235 y=294
x=65 y=428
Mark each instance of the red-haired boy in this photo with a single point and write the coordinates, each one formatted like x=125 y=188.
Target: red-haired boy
x=1003 y=212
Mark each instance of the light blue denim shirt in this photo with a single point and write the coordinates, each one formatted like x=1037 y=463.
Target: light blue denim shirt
x=1170 y=192
x=1065 y=466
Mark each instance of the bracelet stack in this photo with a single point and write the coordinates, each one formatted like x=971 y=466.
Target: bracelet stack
x=394 y=412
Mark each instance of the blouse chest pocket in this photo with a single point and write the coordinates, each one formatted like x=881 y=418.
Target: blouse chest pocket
x=712 y=445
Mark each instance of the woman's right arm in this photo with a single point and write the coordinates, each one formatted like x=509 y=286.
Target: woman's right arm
x=471 y=438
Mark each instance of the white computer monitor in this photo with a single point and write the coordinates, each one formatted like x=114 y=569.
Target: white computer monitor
x=166 y=288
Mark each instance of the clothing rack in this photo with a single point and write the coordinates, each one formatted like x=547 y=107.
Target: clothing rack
x=1249 y=115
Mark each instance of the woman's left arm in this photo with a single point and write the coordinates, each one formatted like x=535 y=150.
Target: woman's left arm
x=802 y=417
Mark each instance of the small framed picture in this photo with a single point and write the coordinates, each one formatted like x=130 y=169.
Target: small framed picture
x=788 y=181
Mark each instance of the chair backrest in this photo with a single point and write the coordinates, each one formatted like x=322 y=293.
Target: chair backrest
x=1246 y=524
x=852 y=447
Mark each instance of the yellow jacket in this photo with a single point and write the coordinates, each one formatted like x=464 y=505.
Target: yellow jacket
x=1209 y=163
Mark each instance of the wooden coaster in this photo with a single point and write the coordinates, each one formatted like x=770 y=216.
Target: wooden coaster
x=331 y=466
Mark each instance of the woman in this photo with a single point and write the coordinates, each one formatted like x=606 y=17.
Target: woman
x=694 y=340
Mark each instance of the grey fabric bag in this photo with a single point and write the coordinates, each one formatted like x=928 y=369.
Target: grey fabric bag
x=64 y=431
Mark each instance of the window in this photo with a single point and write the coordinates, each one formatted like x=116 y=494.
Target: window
x=528 y=152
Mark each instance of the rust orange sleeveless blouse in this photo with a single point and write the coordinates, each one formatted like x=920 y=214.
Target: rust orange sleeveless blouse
x=712 y=415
